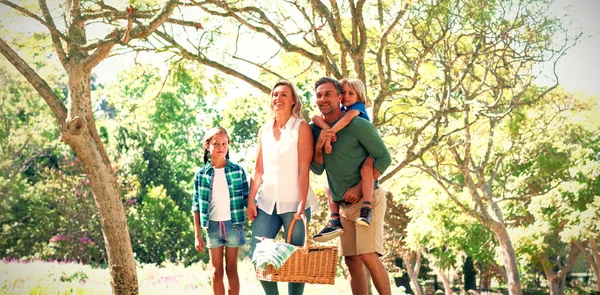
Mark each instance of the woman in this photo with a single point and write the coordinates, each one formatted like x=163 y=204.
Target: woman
x=285 y=150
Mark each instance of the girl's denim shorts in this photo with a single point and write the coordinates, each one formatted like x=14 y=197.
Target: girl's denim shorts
x=225 y=233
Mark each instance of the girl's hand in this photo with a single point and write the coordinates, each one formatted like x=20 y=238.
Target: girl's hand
x=251 y=211
x=199 y=244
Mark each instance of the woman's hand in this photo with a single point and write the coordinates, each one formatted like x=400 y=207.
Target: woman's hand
x=251 y=211
x=298 y=215
x=199 y=244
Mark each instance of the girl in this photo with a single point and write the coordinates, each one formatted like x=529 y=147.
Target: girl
x=354 y=98
x=220 y=195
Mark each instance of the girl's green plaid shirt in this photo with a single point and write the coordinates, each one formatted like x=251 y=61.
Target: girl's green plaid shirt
x=238 y=192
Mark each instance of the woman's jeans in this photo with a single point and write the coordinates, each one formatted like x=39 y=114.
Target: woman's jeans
x=268 y=226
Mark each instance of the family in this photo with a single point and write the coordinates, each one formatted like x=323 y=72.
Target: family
x=340 y=142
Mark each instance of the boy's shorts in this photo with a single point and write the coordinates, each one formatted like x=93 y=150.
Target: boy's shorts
x=224 y=233
x=358 y=239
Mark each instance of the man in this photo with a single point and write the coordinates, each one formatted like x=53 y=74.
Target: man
x=359 y=244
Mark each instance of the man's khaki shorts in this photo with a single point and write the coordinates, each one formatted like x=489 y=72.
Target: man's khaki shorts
x=358 y=239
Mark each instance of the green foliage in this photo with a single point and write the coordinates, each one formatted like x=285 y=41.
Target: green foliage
x=160 y=231
x=54 y=220
x=78 y=276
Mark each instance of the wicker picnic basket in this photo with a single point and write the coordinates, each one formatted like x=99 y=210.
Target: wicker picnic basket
x=308 y=264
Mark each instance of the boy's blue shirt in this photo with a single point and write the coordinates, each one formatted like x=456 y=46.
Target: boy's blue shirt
x=360 y=107
x=238 y=192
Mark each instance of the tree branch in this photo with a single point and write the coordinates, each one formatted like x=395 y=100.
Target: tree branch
x=55 y=38
x=213 y=64
x=57 y=107
x=28 y=13
x=139 y=32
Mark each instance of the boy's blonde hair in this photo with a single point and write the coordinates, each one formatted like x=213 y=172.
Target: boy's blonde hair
x=358 y=86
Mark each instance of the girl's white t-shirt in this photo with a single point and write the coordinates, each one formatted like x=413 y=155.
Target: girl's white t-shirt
x=280 y=165
x=219 y=204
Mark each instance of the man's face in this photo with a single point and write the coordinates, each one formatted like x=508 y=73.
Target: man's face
x=328 y=100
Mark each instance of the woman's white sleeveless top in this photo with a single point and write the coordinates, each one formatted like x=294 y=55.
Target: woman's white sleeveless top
x=280 y=164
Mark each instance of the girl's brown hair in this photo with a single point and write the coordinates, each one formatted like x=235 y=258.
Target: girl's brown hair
x=207 y=138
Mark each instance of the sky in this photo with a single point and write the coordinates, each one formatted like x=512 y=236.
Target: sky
x=579 y=69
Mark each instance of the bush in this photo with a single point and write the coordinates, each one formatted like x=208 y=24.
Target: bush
x=160 y=231
x=55 y=218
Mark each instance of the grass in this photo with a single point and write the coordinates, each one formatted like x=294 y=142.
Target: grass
x=39 y=278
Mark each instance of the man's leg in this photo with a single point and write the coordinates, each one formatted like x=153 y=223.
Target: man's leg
x=358 y=278
x=370 y=244
x=378 y=273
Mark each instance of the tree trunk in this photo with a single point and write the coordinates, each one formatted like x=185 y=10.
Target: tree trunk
x=592 y=257
x=434 y=265
x=594 y=260
x=556 y=280
x=555 y=284
x=509 y=258
x=412 y=271
x=446 y=282
x=79 y=132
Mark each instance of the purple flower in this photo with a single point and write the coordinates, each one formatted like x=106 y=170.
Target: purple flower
x=85 y=181
x=130 y=202
x=85 y=240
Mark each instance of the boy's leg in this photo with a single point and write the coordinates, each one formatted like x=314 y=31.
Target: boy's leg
x=368 y=182
x=334 y=228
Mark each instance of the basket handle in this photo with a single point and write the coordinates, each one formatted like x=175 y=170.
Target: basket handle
x=291 y=229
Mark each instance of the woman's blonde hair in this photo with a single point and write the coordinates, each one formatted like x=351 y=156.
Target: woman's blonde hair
x=208 y=137
x=297 y=104
x=358 y=86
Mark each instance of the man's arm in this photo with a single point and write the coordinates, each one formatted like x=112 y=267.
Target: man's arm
x=370 y=139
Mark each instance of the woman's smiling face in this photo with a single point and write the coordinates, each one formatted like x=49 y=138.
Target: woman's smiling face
x=281 y=98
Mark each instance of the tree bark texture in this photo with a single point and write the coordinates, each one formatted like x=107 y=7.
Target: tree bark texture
x=80 y=133
x=509 y=258
x=412 y=266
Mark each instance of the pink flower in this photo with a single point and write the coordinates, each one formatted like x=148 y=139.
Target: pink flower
x=130 y=202
x=85 y=181
x=58 y=238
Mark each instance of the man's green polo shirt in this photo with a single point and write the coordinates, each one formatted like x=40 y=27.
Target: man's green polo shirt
x=354 y=143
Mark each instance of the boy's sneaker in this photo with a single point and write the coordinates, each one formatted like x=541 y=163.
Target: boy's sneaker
x=331 y=231
x=365 y=216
